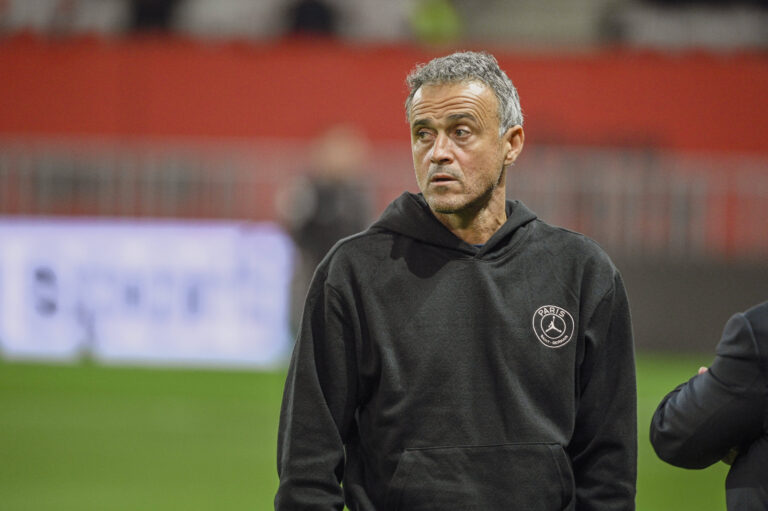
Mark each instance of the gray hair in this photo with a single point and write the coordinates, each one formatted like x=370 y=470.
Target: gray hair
x=469 y=66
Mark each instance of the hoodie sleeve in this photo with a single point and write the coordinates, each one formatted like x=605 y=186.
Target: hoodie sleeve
x=603 y=448
x=701 y=420
x=318 y=406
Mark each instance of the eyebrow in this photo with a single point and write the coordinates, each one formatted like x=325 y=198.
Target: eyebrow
x=462 y=115
x=452 y=117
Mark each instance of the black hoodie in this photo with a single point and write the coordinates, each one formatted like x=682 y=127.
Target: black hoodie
x=432 y=374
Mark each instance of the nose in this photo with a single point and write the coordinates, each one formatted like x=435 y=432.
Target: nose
x=441 y=150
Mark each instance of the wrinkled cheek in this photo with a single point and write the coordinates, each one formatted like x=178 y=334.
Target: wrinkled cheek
x=421 y=172
x=421 y=179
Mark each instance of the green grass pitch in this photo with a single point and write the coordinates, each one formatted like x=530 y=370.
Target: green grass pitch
x=88 y=437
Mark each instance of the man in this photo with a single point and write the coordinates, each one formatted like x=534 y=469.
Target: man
x=326 y=204
x=722 y=413
x=426 y=374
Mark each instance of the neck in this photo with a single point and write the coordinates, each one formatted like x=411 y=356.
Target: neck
x=477 y=225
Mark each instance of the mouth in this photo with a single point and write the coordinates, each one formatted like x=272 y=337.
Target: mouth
x=442 y=178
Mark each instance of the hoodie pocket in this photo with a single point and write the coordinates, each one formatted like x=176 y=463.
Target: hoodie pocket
x=530 y=476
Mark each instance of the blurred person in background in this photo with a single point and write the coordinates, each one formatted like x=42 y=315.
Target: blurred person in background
x=722 y=413
x=436 y=22
x=327 y=203
x=152 y=15
x=312 y=17
x=461 y=353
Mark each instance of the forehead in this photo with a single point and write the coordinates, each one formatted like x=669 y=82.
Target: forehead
x=435 y=101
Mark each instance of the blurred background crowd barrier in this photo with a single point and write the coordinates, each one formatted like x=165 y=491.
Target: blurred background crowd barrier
x=645 y=129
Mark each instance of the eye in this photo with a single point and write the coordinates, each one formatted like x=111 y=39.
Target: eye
x=461 y=132
x=423 y=134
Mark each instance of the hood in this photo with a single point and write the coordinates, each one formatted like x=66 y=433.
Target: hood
x=410 y=216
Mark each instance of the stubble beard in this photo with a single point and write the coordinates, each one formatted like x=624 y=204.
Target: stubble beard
x=459 y=205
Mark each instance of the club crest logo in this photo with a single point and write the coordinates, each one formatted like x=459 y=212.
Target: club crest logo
x=553 y=326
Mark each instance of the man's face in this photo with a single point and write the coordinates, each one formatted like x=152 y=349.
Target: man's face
x=458 y=154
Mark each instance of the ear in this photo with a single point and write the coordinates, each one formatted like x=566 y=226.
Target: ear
x=513 y=144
